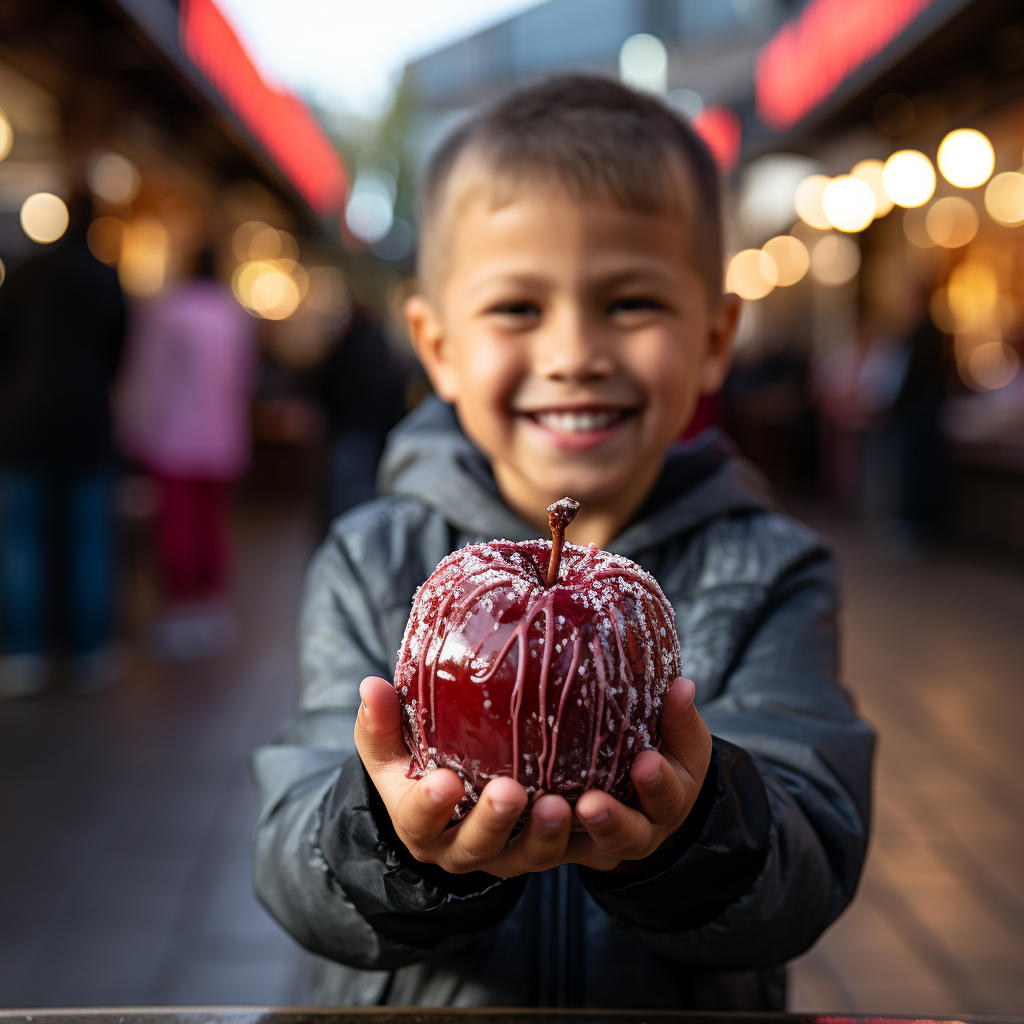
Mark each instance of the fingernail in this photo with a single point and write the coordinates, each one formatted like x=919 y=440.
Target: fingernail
x=655 y=777
x=550 y=817
x=434 y=791
x=503 y=808
x=597 y=818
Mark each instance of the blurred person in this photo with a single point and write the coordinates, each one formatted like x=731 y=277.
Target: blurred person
x=572 y=314
x=62 y=325
x=363 y=391
x=184 y=416
x=881 y=400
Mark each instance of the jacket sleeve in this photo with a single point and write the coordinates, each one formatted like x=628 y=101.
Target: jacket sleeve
x=327 y=864
x=772 y=852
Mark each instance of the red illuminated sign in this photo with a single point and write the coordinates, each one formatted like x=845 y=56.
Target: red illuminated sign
x=278 y=120
x=719 y=127
x=811 y=55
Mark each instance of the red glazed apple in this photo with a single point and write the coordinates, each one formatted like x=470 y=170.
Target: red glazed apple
x=542 y=661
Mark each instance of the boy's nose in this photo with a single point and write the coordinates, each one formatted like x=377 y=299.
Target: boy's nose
x=572 y=351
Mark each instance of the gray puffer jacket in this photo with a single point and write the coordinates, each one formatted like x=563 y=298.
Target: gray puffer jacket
x=773 y=849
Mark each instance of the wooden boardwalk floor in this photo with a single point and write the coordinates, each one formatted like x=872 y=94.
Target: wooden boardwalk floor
x=935 y=653
x=127 y=817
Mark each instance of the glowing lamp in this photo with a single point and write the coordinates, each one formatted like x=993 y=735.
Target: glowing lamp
x=44 y=217
x=807 y=201
x=908 y=178
x=790 y=256
x=870 y=171
x=1004 y=199
x=966 y=158
x=973 y=294
x=113 y=178
x=6 y=136
x=145 y=253
x=990 y=366
x=835 y=260
x=848 y=203
x=752 y=274
x=951 y=222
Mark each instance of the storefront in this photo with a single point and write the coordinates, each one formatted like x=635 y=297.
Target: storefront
x=893 y=136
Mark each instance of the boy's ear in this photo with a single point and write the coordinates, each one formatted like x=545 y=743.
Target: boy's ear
x=721 y=332
x=427 y=337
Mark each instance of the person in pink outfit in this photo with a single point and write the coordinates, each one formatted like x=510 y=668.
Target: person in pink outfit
x=184 y=416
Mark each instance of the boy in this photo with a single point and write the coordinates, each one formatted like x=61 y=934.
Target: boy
x=571 y=316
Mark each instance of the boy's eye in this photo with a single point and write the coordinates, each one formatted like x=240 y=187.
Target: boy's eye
x=516 y=309
x=634 y=304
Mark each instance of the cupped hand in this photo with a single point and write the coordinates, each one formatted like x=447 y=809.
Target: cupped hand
x=666 y=785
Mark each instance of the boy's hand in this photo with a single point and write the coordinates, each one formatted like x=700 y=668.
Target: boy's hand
x=666 y=786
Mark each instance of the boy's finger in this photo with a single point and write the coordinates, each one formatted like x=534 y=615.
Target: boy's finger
x=423 y=810
x=684 y=736
x=485 y=830
x=618 y=830
x=543 y=840
x=659 y=791
x=378 y=731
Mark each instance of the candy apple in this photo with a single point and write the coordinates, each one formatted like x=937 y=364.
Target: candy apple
x=541 y=660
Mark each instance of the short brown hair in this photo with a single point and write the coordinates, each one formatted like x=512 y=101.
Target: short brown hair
x=594 y=137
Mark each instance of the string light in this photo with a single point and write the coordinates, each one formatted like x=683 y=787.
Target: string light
x=966 y=158
x=752 y=274
x=908 y=178
x=848 y=203
x=791 y=258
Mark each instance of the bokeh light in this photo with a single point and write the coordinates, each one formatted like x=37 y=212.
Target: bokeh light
x=6 y=136
x=870 y=171
x=104 y=239
x=266 y=288
x=113 y=178
x=370 y=210
x=791 y=258
x=908 y=178
x=835 y=260
x=951 y=222
x=643 y=63
x=3 y=272
x=145 y=252
x=990 y=366
x=752 y=274
x=1004 y=199
x=966 y=158
x=915 y=227
x=848 y=203
x=329 y=300
x=973 y=295
x=44 y=217
x=807 y=201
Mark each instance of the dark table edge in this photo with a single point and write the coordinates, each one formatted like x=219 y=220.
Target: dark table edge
x=406 y=1012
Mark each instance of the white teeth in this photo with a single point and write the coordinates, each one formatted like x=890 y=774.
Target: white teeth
x=577 y=422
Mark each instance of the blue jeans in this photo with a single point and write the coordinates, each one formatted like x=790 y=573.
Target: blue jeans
x=36 y=506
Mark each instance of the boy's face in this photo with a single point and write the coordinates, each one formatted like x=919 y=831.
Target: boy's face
x=574 y=339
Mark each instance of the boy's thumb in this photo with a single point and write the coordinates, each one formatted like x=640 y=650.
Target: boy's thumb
x=378 y=732
x=684 y=736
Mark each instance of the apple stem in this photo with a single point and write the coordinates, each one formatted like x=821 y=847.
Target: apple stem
x=560 y=515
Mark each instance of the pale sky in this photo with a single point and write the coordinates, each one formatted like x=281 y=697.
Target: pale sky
x=347 y=54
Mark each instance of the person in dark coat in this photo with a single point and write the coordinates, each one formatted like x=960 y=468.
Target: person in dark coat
x=62 y=325
x=362 y=388
x=572 y=314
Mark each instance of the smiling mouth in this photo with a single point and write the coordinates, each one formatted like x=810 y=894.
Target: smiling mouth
x=579 y=421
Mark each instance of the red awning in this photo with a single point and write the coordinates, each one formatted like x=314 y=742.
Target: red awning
x=278 y=120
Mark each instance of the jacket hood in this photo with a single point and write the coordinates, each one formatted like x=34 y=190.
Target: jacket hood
x=429 y=458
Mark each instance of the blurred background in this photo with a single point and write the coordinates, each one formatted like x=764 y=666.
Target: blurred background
x=207 y=226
